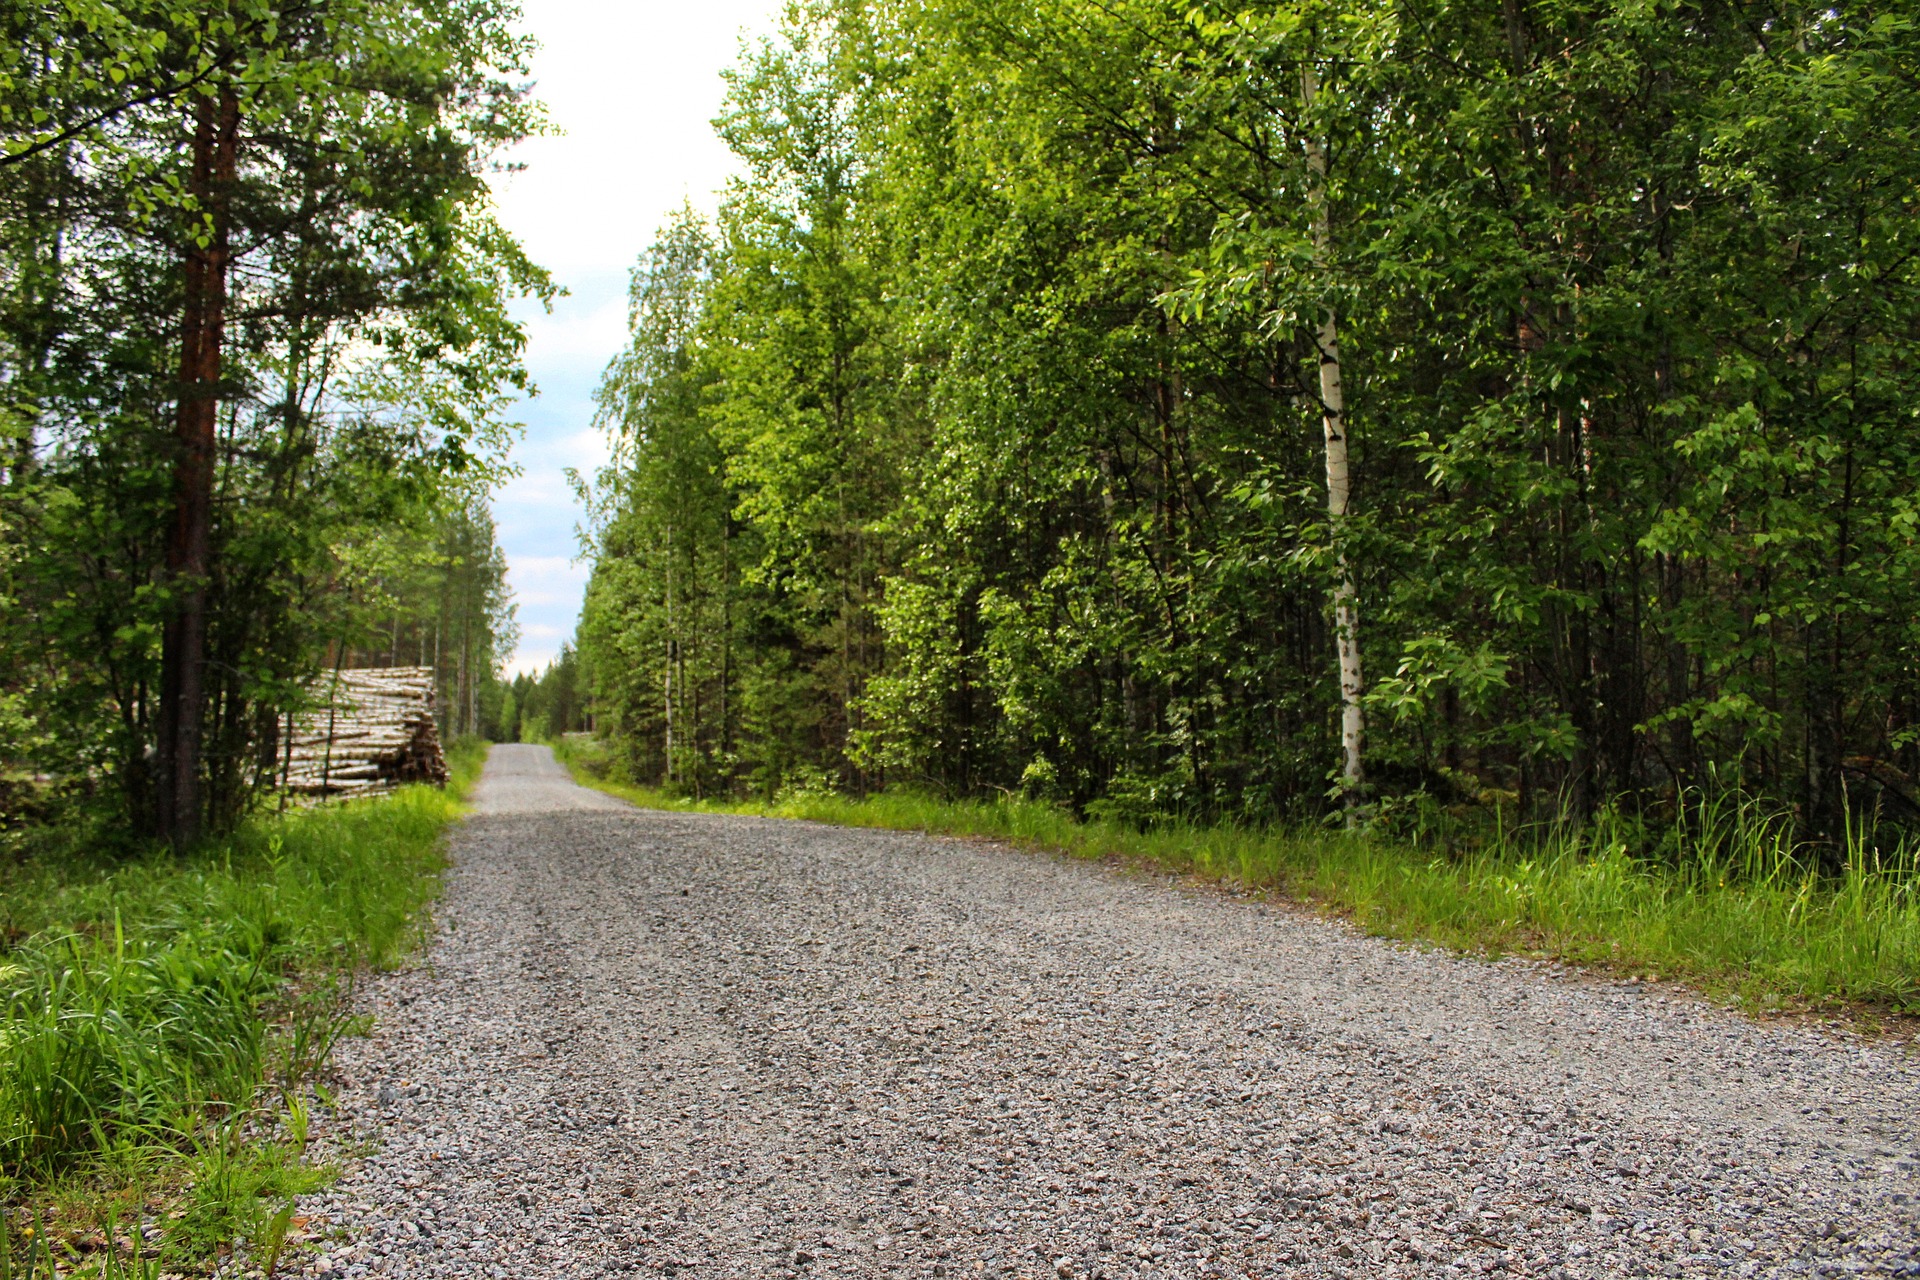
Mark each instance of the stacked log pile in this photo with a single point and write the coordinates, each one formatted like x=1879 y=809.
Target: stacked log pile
x=371 y=730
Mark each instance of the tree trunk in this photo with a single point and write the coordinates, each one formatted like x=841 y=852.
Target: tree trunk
x=189 y=546
x=463 y=687
x=726 y=634
x=673 y=653
x=39 y=271
x=1346 y=603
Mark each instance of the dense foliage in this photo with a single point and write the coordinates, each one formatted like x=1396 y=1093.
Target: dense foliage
x=253 y=353
x=984 y=439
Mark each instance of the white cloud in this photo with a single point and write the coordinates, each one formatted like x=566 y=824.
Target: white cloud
x=580 y=333
x=541 y=491
x=635 y=87
x=530 y=662
x=557 y=447
x=542 y=581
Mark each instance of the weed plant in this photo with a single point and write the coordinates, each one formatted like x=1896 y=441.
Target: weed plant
x=1723 y=898
x=160 y=1015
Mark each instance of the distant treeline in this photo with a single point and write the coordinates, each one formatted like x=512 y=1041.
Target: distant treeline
x=539 y=708
x=254 y=353
x=1240 y=411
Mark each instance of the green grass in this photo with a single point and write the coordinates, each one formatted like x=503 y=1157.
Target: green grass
x=1725 y=903
x=161 y=1017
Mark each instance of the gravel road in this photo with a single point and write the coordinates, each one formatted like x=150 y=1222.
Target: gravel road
x=713 y=1046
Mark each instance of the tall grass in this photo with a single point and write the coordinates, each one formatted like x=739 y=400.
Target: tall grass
x=158 y=1015
x=1724 y=899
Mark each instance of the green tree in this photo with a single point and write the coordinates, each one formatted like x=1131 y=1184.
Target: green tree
x=275 y=216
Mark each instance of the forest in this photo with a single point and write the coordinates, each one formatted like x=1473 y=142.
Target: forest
x=255 y=364
x=1397 y=409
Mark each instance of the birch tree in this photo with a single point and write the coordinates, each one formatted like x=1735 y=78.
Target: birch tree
x=1333 y=408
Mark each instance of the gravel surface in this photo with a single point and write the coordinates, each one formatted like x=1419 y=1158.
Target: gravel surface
x=667 y=1043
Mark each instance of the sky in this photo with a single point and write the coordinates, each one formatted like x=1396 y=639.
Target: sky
x=634 y=87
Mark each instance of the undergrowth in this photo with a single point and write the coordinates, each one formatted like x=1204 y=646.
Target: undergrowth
x=1726 y=902
x=161 y=1018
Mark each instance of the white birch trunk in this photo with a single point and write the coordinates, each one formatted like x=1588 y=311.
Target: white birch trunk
x=1346 y=603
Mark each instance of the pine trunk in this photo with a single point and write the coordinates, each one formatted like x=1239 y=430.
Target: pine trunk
x=189 y=546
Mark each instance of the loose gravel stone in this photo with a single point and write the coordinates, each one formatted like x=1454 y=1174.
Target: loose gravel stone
x=659 y=1044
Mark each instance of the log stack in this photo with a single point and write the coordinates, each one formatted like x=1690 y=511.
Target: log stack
x=371 y=730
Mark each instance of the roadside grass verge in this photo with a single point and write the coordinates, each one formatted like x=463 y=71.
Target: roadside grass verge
x=162 y=1017
x=1728 y=904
